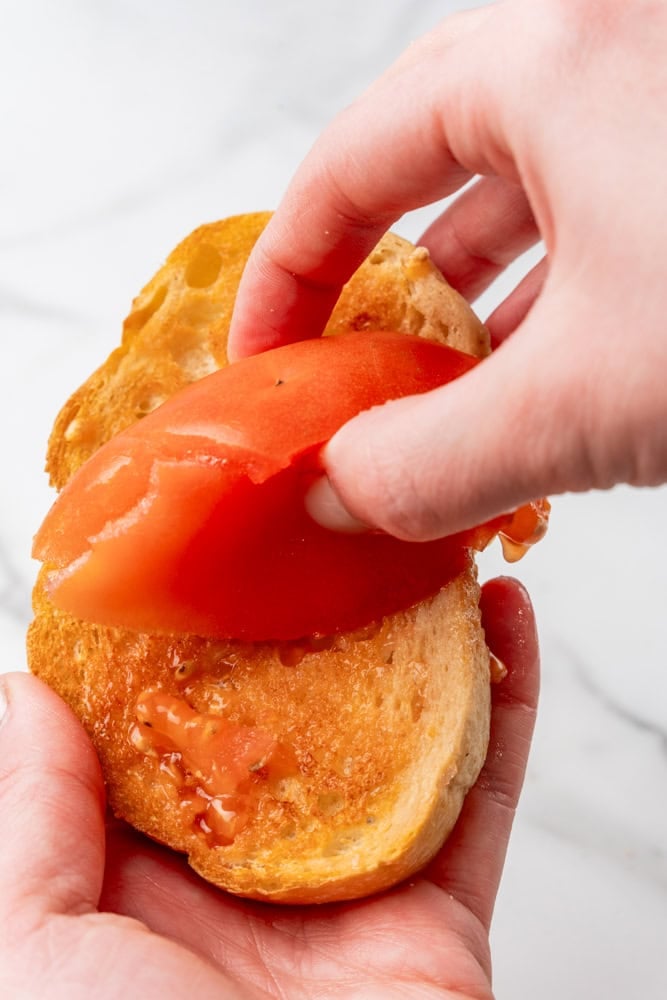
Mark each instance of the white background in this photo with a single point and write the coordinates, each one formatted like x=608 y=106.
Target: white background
x=126 y=124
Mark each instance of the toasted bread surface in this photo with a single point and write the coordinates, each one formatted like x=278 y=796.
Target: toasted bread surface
x=388 y=728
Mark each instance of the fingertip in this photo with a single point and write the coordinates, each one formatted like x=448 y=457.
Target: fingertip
x=510 y=628
x=248 y=334
x=32 y=706
x=51 y=803
x=234 y=347
x=327 y=509
x=279 y=299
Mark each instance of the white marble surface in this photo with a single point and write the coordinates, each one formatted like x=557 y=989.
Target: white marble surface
x=125 y=124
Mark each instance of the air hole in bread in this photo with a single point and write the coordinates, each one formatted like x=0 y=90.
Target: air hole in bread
x=415 y=321
x=330 y=803
x=196 y=363
x=346 y=841
x=72 y=430
x=139 y=317
x=149 y=403
x=362 y=321
x=204 y=267
x=417 y=706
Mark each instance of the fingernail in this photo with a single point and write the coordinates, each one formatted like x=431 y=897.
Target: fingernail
x=325 y=507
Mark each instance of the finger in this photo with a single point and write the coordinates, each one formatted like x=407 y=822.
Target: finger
x=414 y=137
x=481 y=232
x=513 y=310
x=51 y=807
x=471 y=863
x=518 y=426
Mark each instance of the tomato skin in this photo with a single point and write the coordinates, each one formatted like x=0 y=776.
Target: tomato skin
x=193 y=520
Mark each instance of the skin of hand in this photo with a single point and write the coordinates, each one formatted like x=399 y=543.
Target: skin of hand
x=556 y=109
x=85 y=917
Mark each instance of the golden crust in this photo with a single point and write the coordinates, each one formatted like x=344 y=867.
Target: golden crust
x=389 y=728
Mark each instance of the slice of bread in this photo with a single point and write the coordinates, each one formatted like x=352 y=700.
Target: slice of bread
x=388 y=728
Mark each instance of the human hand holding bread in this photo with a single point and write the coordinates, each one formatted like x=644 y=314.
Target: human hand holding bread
x=581 y=425
x=83 y=914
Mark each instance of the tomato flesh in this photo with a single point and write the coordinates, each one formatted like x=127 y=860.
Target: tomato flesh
x=220 y=767
x=193 y=520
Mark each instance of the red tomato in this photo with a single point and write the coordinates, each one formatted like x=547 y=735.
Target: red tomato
x=193 y=519
x=228 y=756
x=220 y=767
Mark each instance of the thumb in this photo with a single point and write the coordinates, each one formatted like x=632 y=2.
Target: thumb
x=51 y=806
x=515 y=428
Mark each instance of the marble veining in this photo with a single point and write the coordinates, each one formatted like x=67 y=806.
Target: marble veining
x=124 y=132
x=608 y=702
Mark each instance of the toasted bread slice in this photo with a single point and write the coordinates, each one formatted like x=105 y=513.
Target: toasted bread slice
x=387 y=729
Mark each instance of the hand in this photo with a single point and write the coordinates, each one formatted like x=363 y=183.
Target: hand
x=560 y=106
x=134 y=920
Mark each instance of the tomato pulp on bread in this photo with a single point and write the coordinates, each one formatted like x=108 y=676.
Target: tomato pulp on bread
x=219 y=768
x=193 y=519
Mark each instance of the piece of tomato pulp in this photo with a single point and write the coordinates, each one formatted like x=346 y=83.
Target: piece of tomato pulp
x=193 y=519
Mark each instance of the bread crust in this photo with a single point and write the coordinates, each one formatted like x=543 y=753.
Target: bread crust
x=389 y=727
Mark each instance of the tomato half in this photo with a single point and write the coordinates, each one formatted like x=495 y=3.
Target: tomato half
x=193 y=520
